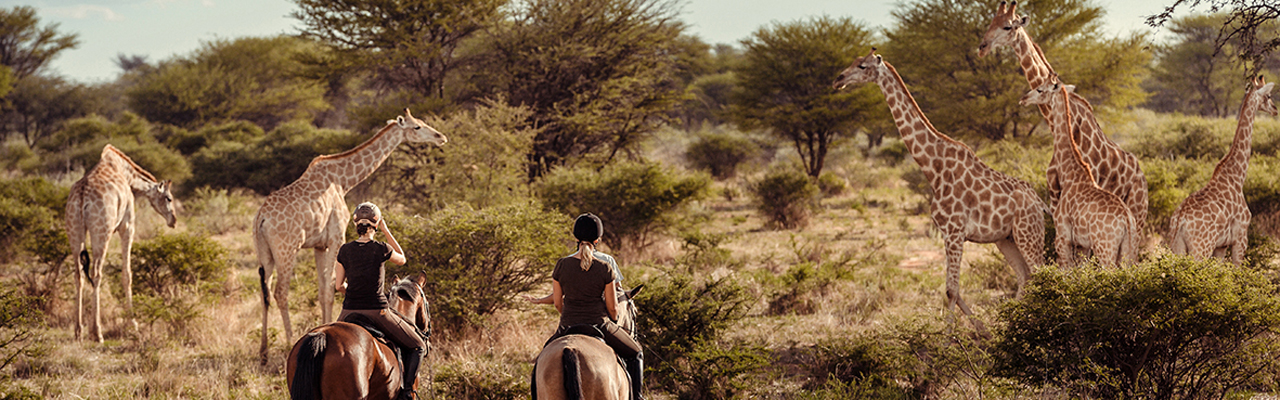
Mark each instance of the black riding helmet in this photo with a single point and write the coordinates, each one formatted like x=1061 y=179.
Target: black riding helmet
x=588 y=228
x=367 y=213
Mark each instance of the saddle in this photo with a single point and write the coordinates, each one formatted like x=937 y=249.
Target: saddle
x=364 y=322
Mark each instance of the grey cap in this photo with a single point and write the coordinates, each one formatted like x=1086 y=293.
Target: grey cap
x=367 y=212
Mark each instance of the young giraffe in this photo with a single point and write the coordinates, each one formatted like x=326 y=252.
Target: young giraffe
x=1115 y=170
x=101 y=203
x=1086 y=217
x=971 y=201
x=311 y=213
x=1216 y=217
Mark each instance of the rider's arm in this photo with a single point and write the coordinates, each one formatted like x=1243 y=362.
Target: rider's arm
x=611 y=300
x=339 y=278
x=539 y=300
x=397 y=254
x=557 y=295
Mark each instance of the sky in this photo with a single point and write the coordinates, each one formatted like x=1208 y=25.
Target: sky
x=163 y=29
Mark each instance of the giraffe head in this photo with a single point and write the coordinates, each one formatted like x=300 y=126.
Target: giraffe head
x=1262 y=88
x=1049 y=91
x=1003 y=30
x=863 y=70
x=161 y=199
x=416 y=131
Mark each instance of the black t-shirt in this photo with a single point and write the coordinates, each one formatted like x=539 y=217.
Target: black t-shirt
x=363 y=265
x=583 y=291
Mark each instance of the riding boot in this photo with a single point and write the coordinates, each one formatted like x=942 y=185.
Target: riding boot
x=635 y=369
x=411 y=358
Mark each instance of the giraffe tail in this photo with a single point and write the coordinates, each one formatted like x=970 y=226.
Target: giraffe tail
x=84 y=265
x=263 y=248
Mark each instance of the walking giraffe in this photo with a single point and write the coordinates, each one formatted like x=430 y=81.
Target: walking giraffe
x=99 y=204
x=311 y=213
x=1086 y=216
x=1115 y=170
x=1216 y=218
x=971 y=201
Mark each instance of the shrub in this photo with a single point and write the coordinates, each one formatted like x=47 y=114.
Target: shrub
x=1168 y=328
x=677 y=313
x=188 y=142
x=786 y=196
x=484 y=379
x=270 y=162
x=219 y=211
x=31 y=221
x=19 y=319
x=1185 y=137
x=1169 y=182
x=476 y=261
x=713 y=371
x=1261 y=186
x=720 y=153
x=168 y=261
x=636 y=201
x=831 y=184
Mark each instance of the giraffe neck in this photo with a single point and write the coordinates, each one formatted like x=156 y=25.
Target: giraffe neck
x=916 y=130
x=349 y=168
x=1032 y=60
x=140 y=180
x=1065 y=147
x=1235 y=164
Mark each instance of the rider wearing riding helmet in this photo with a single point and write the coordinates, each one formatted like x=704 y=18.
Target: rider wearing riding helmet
x=585 y=288
x=359 y=274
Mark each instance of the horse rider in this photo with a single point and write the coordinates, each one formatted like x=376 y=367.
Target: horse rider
x=359 y=274
x=585 y=287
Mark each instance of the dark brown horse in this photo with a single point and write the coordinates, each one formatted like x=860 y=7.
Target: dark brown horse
x=341 y=360
x=582 y=367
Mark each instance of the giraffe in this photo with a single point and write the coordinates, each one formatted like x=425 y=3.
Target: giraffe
x=1086 y=216
x=971 y=201
x=311 y=213
x=1115 y=170
x=1216 y=217
x=101 y=203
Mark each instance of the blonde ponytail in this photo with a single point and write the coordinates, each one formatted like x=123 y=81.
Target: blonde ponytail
x=586 y=253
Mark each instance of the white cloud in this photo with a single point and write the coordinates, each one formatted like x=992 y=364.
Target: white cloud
x=85 y=11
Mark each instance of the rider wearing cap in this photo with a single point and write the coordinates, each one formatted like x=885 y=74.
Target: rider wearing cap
x=359 y=274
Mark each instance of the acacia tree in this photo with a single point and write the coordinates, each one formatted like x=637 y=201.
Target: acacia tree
x=597 y=75
x=784 y=85
x=27 y=48
x=934 y=47
x=1249 y=26
x=407 y=42
x=1193 y=74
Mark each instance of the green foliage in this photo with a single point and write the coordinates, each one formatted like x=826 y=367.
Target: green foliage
x=19 y=319
x=1026 y=162
x=713 y=371
x=979 y=97
x=253 y=79
x=219 y=211
x=598 y=75
x=786 y=196
x=27 y=48
x=720 y=153
x=858 y=367
x=1192 y=75
x=483 y=379
x=78 y=145
x=19 y=393
x=189 y=142
x=1186 y=137
x=484 y=163
x=831 y=184
x=267 y=164
x=38 y=105
x=31 y=226
x=677 y=313
x=1261 y=186
x=636 y=201
x=477 y=260
x=784 y=85
x=169 y=261
x=1168 y=328
x=1168 y=183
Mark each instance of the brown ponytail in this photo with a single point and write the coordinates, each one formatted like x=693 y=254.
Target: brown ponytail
x=586 y=253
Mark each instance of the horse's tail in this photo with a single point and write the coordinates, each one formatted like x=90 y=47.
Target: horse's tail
x=306 y=378
x=572 y=380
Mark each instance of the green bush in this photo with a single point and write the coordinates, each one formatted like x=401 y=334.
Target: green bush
x=713 y=371
x=1185 y=137
x=169 y=261
x=720 y=153
x=20 y=318
x=189 y=142
x=477 y=261
x=831 y=184
x=677 y=313
x=636 y=201
x=31 y=232
x=484 y=379
x=1168 y=328
x=1169 y=182
x=269 y=163
x=786 y=196
x=219 y=211
x=1262 y=184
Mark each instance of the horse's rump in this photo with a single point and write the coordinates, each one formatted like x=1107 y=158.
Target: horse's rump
x=345 y=351
x=600 y=375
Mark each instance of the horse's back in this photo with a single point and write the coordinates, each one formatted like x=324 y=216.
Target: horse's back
x=355 y=366
x=600 y=375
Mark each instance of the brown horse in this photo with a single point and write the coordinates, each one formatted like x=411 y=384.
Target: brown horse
x=341 y=360
x=588 y=368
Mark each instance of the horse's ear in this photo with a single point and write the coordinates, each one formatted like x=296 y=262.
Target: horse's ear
x=631 y=294
x=419 y=278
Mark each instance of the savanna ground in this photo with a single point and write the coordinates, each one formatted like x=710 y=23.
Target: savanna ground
x=876 y=265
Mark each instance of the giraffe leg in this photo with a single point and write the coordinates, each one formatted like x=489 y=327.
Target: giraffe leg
x=126 y=271
x=80 y=255
x=284 y=266
x=324 y=274
x=955 y=253
x=1014 y=257
x=1066 y=250
x=98 y=258
x=1238 y=248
